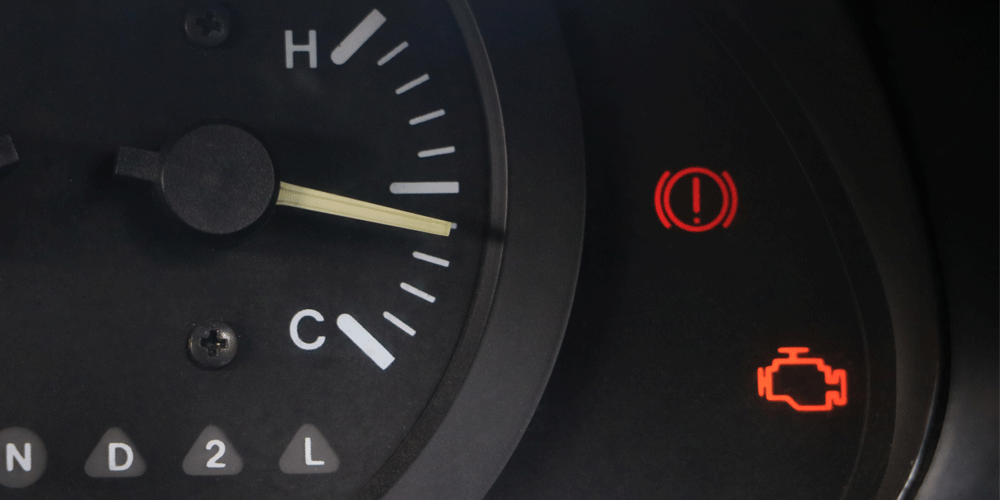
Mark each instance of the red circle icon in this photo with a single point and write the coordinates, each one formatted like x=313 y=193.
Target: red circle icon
x=665 y=210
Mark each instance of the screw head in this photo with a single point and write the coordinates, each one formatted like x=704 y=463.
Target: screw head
x=212 y=344
x=208 y=24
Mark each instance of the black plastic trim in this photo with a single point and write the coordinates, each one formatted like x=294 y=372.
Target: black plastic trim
x=541 y=137
x=861 y=145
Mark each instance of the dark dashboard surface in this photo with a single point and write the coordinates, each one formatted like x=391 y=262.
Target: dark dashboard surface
x=709 y=249
x=595 y=434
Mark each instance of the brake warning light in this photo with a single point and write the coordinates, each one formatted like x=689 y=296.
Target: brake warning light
x=700 y=208
x=838 y=377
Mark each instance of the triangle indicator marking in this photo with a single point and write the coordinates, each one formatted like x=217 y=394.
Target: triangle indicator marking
x=212 y=455
x=309 y=453
x=114 y=457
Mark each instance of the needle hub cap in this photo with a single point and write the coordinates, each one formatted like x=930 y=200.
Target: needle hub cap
x=218 y=179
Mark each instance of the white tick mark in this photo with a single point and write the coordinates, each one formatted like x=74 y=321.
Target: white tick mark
x=420 y=79
x=417 y=292
x=393 y=53
x=428 y=117
x=399 y=324
x=429 y=258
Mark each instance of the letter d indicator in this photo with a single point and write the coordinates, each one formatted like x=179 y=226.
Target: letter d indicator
x=115 y=456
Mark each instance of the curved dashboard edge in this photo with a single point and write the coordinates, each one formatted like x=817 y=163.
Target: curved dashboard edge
x=541 y=253
x=857 y=138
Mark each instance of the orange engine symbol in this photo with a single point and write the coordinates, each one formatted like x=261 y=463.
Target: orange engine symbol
x=765 y=380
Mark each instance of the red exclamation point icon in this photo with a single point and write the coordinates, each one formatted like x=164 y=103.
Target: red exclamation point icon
x=696 y=197
x=727 y=207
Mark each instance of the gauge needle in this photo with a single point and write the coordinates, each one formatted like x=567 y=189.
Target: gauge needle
x=291 y=195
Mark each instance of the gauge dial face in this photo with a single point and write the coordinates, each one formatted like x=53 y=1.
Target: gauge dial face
x=129 y=118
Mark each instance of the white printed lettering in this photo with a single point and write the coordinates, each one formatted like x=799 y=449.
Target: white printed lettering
x=291 y=49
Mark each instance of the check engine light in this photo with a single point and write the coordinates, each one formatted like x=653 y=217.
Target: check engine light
x=838 y=377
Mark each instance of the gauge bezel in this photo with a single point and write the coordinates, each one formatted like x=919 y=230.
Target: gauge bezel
x=851 y=132
x=536 y=136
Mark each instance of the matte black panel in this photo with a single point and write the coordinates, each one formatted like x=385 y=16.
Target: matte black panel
x=646 y=400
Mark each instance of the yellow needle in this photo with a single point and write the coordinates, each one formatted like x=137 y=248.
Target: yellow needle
x=291 y=195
